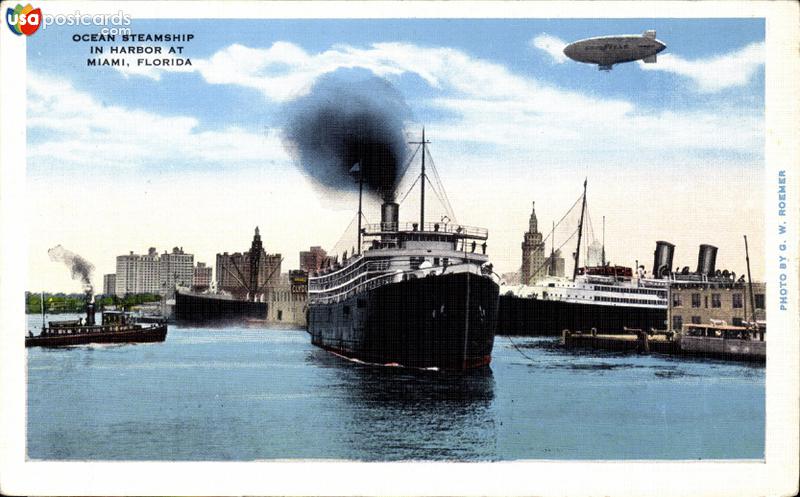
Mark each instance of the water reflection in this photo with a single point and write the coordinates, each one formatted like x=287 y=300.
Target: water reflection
x=396 y=413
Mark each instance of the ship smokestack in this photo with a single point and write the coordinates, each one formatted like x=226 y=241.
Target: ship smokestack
x=390 y=215
x=662 y=259
x=89 y=306
x=706 y=260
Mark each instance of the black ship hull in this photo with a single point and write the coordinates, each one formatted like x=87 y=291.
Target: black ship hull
x=444 y=322
x=531 y=317
x=190 y=308
x=154 y=333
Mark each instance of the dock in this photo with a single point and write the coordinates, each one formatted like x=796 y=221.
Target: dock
x=668 y=343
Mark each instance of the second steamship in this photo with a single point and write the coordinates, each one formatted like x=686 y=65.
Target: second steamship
x=419 y=295
x=605 y=298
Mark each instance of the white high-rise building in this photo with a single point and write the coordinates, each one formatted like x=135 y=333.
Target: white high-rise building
x=177 y=268
x=151 y=273
x=595 y=254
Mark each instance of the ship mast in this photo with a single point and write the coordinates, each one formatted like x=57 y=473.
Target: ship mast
x=603 y=252
x=553 y=250
x=750 y=282
x=580 y=232
x=360 y=191
x=422 y=178
x=422 y=187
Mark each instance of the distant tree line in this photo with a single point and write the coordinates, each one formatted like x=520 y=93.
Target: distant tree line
x=55 y=303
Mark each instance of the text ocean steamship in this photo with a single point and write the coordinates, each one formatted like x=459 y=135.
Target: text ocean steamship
x=421 y=295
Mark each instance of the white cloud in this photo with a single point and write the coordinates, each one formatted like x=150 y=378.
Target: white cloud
x=72 y=127
x=491 y=104
x=553 y=46
x=714 y=73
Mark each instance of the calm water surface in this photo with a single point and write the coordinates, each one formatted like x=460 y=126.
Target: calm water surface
x=246 y=393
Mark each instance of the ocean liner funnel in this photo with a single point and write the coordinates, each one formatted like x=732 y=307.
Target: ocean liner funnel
x=390 y=215
x=706 y=260
x=662 y=260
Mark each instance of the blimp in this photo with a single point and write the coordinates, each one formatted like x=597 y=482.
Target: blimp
x=605 y=51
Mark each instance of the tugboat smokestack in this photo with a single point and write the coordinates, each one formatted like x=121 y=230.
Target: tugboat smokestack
x=89 y=306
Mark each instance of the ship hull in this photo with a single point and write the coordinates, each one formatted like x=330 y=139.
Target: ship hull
x=445 y=322
x=208 y=309
x=151 y=334
x=532 y=317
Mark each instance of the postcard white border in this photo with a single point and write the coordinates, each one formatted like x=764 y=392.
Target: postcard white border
x=775 y=476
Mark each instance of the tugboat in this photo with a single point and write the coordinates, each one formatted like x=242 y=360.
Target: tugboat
x=420 y=295
x=116 y=327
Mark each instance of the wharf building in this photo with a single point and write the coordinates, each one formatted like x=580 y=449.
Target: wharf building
x=201 y=280
x=109 y=284
x=702 y=302
x=248 y=275
x=153 y=273
x=288 y=300
x=709 y=295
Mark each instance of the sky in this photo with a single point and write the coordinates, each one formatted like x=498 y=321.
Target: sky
x=122 y=159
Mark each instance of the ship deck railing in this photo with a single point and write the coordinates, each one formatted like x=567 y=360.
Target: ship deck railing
x=353 y=290
x=82 y=330
x=353 y=265
x=456 y=230
x=355 y=287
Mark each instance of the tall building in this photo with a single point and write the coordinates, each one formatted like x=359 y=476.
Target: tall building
x=534 y=265
x=202 y=277
x=153 y=273
x=176 y=269
x=138 y=273
x=248 y=275
x=312 y=259
x=109 y=284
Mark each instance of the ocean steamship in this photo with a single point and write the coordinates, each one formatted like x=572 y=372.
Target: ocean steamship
x=605 y=298
x=419 y=295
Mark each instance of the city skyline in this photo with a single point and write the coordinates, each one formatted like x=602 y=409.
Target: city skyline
x=653 y=140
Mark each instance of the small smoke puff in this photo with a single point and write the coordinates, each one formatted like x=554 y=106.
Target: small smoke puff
x=344 y=120
x=81 y=268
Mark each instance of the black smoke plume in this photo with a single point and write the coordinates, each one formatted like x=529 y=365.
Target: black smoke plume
x=80 y=267
x=346 y=120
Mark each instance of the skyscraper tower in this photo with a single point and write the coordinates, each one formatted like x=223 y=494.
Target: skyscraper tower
x=255 y=259
x=533 y=259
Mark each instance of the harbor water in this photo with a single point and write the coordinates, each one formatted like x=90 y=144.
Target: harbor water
x=244 y=393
